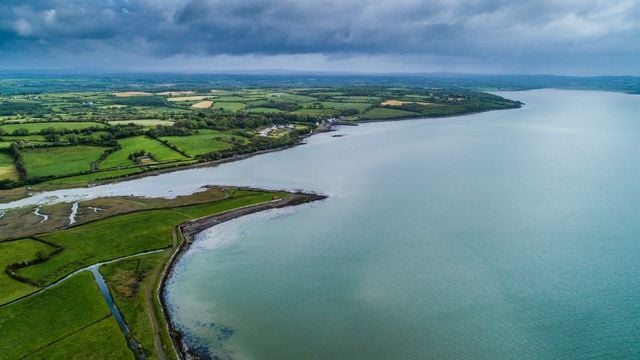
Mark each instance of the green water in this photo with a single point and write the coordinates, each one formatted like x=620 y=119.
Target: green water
x=502 y=235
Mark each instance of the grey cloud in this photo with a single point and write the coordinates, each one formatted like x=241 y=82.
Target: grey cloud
x=507 y=31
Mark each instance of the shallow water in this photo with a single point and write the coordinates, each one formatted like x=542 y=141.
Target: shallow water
x=502 y=235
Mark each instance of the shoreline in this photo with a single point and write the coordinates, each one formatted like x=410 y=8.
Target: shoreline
x=187 y=232
x=234 y=158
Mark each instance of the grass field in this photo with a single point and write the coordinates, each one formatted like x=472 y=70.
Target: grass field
x=43 y=321
x=201 y=143
x=263 y=110
x=386 y=113
x=130 y=282
x=124 y=235
x=13 y=252
x=360 y=106
x=230 y=106
x=120 y=157
x=142 y=122
x=60 y=160
x=101 y=340
x=7 y=168
x=37 y=127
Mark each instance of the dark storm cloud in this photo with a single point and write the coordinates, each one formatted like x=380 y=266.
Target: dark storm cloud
x=492 y=30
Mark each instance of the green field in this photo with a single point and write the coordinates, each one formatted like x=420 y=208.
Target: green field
x=202 y=143
x=37 y=127
x=13 y=252
x=101 y=340
x=142 y=122
x=229 y=106
x=130 y=282
x=159 y=151
x=62 y=319
x=264 y=110
x=57 y=161
x=386 y=113
x=360 y=106
x=7 y=167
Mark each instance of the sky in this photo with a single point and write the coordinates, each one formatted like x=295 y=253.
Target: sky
x=566 y=37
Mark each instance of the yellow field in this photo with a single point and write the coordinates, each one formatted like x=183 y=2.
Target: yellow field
x=175 y=93
x=187 y=98
x=132 y=93
x=202 y=105
x=8 y=172
x=399 y=103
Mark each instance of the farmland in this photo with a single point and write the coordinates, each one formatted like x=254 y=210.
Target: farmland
x=43 y=327
x=34 y=302
x=52 y=161
x=77 y=138
x=155 y=150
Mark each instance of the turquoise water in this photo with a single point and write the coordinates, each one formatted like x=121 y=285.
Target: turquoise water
x=502 y=235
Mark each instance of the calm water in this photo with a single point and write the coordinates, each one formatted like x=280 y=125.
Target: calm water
x=503 y=235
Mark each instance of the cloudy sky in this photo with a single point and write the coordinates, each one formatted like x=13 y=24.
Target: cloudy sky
x=586 y=37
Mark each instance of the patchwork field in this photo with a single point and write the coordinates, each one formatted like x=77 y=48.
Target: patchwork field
x=70 y=122
x=159 y=152
x=58 y=161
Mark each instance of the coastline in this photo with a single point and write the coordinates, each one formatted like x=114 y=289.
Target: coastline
x=187 y=232
x=25 y=192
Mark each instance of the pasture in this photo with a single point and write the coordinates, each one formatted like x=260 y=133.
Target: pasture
x=33 y=328
x=159 y=152
x=58 y=161
x=142 y=122
x=13 y=252
x=202 y=143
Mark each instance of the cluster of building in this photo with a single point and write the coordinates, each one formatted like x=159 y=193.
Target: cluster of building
x=267 y=131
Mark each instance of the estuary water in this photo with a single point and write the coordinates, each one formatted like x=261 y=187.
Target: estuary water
x=502 y=235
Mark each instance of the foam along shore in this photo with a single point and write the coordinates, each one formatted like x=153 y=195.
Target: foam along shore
x=188 y=231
